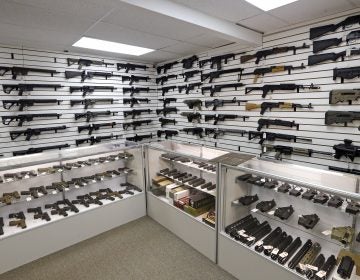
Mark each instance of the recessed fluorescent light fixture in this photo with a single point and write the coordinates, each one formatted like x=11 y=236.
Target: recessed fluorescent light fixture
x=268 y=5
x=108 y=46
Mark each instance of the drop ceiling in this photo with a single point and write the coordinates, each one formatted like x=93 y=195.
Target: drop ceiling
x=56 y=25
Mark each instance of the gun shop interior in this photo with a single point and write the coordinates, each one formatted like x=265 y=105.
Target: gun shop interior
x=159 y=139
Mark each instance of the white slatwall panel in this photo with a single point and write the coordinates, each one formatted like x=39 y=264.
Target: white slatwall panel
x=311 y=121
x=11 y=56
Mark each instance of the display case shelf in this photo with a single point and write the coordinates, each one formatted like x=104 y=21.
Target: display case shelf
x=190 y=164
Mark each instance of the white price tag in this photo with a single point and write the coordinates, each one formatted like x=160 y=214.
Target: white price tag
x=28 y=199
x=101 y=179
x=268 y=247
x=326 y=232
x=275 y=251
x=298 y=189
x=250 y=239
x=264 y=135
x=302 y=266
x=66 y=189
x=40 y=194
x=321 y=274
x=271 y=212
x=85 y=184
x=314 y=268
x=254 y=210
x=96 y=163
x=94 y=181
x=59 y=170
x=76 y=187
x=241 y=231
x=283 y=255
x=26 y=177
x=54 y=192
x=244 y=235
x=264 y=149
x=259 y=243
x=9 y=180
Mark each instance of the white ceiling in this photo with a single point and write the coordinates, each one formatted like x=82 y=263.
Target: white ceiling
x=56 y=25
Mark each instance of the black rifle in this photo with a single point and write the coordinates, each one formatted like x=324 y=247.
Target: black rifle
x=164 y=121
x=23 y=71
x=345 y=170
x=166 y=110
x=166 y=89
x=216 y=74
x=194 y=130
x=346 y=73
x=132 y=101
x=221 y=102
x=95 y=139
x=135 y=112
x=191 y=103
x=90 y=115
x=322 y=30
x=219 y=132
x=347 y=150
x=264 y=53
x=218 y=88
x=188 y=62
x=89 y=74
x=39 y=150
x=189 y=87
x=90 y=102
x=95 y=126
x=30 y=132
x=167 y=100
x=21 y=88
x=271 y=88
x=168 y=133
x=190 y=74
x=324 y=44
x=164 y=79
x=287 y=150
x=277 y=122
x=223 y=117
x=86 y=62
x=138 y=138
x=260 y=72
x=344 y=117
x=191 y=116
x=166 y=67
x=354 y=35
x=25 y=103
x=26 y=118
x=135 y=124
x=318 y=58
x=133 y=90
x=270 y=136
x=134 y=78
x=342 y=95
x=90 y=89
x=281 y=105
x=130 y=66
x=217 y=60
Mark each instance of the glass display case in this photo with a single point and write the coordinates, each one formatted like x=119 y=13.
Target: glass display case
x=287 y=221
x=67 y=196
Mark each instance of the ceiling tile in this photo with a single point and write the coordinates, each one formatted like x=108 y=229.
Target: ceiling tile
x=355 y=2
x=263 y=23
x=208 y=40
x=159 y=56
x=184 y=48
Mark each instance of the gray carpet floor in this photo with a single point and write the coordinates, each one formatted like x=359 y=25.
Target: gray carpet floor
x=142 y=249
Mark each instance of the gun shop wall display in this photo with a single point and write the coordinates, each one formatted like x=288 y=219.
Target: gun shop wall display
x=295 y=98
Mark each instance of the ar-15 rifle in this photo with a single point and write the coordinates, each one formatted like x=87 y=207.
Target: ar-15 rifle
x=264 y=53
x=131 y=79
x=194 y=130
x=345 y=170
x=221 y=102
x=270 y=136
x=167 y=100
x=270 y=105
x=137 y=137
x=135 y=112
x=164 y=79
x=189 y=87
x=344 y=95
x=218 y=88
x=191 y=103
x=344 y=117
x=322 y=30
x=130 y=66
x=86 y=62
x=89 y=102
x=164 y=121
x=166 y=89
x=166 y=67
x=188 y=62
x=347 y=150
x=190 y=74
x=277 y=122
x=89 y=74
x=191 y=116
x=287 y=150
x=316 y=59
x=220 y=132
x=216 y=74
x=132 y=101
x=346 y=73
x=95 y=126
x=90 y=115
x=30 y=132
x=95 y=139
x=271 y=88
x=135 y=124
x=24 y=103
x=217 y=60
x=324 y=44
x=223 y=117
x=168 y=133
x=39 y=150
x=23 y=71
x=90 y=89
x=26 y=118
x=21 y=88
x=133 y=90
x=166 y=110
